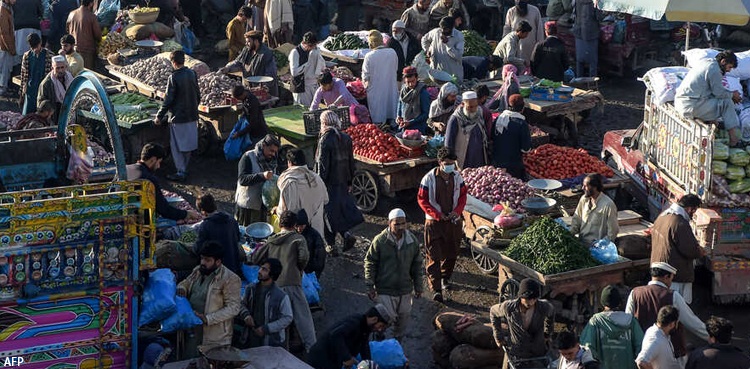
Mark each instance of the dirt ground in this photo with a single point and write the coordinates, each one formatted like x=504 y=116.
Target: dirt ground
x=344 y=291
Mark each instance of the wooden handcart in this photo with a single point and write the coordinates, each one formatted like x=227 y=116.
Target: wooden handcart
x=373 y=179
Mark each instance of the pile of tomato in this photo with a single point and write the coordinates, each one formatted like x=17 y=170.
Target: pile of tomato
x=557 y=162
x=372 y=143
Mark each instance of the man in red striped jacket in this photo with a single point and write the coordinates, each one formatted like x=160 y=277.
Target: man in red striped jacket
x=442 y=197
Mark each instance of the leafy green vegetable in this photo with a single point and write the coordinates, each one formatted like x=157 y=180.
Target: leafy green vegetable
x=475 y=44
x=549 y=249
x=281 y=59
x=740 y=186
x=721 y=151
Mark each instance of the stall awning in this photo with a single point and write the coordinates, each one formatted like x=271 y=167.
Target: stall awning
x=730 y=12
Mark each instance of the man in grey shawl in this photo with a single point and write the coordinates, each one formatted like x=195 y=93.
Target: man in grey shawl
x=55 y=84
x=466 y=134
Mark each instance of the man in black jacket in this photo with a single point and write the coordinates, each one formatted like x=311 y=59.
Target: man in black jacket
x=406 y=46
x=151 y=157
x=220 y=227
x=338 y=346
x=720 y=353
x=181 y=101
x=315 y=244
x=549 y=59
x=251 y=110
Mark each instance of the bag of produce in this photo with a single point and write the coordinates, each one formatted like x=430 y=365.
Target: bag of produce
x=734 y=172
x=721 y=151
x=80 y=166
x=235 y=147
x=740 y=186
x=739 y=157
x=106 y=13
x=175 y=255
x=388 y=354
x=270 y=192
x=605 y=251
x=183 y=317
x=158 y=301
x=718 y=167
x=250 y=272
x=311 y=287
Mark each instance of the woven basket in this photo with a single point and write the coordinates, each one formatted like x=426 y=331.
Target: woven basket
x=144 y=18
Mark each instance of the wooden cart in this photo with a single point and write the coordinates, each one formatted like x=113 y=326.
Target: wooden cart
x=110 y=85
x=373 y=179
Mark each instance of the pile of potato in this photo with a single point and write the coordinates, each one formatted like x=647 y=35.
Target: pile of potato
x=113 y=42
x=153 y=71
x=214 y=87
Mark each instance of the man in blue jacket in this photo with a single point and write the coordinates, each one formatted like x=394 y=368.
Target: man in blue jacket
x=266 y=309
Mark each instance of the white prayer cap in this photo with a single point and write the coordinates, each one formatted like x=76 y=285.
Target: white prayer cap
x=59 y=59
x=468 y=95
x=398 y=24
x=664 y=266
x=396 y=213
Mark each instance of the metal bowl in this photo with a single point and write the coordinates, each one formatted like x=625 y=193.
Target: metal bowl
x=408 y=143
x=538 y=205
x=544 y=184
x=149 y=43
x=440 y=77
x=259 y=230
x=259 y=79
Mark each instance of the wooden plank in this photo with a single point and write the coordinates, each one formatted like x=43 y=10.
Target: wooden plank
x=142 y=88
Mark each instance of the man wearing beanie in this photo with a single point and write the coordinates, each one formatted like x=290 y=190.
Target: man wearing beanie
x=523 y=325
x=613 y=336
x=644 y=303
x=339 y=346
x=393 y=270
x=444 y=46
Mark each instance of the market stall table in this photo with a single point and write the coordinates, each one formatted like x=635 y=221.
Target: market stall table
x=110 y=85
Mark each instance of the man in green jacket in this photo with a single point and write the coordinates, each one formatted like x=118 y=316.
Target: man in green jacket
x=393 y=269
x=613 y=336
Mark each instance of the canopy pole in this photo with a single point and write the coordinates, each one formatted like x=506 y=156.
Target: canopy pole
x=687 y=37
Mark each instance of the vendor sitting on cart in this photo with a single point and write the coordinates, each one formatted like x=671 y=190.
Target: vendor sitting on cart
x=151 y=157
x=523 y=325
x=332 y=91
x=596 y=214
x=413 y=102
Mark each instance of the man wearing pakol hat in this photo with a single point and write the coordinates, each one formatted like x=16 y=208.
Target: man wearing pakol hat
x=511 y=138
x=613 y=336
x=405 y=45
x=55 y=84
x=444 y=46
x=379 y=71
x=256 y=59
x=466 y=133
x=442 y=197
x=525 y=324
x=549 y=59
x=214 y=294
x=339 y=346
x=673 y=242
x=644 y=303
x=413 y=103
x=393 y=270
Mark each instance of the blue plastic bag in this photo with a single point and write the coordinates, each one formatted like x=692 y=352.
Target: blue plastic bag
x=188 y=41
x=106 y=14
x=388 y=354
x=605 y=251
x=235 y=147
x=183 y=317
x=251 y=273
x=158 y=300
x=311 y=287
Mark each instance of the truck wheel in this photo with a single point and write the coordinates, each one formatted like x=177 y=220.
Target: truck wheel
x=509 y=289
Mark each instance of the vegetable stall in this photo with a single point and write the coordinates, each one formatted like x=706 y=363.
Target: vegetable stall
x=384 y=165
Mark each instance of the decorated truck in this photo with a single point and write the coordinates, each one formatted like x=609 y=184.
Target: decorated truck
x=668 y=156
x=70 y=264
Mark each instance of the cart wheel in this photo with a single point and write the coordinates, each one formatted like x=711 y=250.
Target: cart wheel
x=205 y=138
x=365 y=191
x=509 y=289
x=485 y=263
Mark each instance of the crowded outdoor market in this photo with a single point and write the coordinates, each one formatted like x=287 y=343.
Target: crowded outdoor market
x=375 y=184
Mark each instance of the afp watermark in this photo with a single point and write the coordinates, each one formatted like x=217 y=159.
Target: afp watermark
x=11 y=361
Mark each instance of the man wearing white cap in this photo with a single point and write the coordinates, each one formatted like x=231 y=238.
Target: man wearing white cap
x=466 y=133
x=55 y=84
x=406 y=46
x=644 y=303
x=393 y=269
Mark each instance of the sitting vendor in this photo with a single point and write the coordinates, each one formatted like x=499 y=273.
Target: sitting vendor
x=151 y=157
x=596 y=214
x=40 y=119
x=255 y=60
x=413 y=103
x=332 y=91
x=479 y=67
x=701 y=94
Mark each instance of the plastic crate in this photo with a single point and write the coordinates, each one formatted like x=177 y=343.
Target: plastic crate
x=549 y=94
x=312 y=119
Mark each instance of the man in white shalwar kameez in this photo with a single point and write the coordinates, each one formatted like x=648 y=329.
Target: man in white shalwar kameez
x=379 y=77
x=445 y=48
x=523 y=11
x=306 y=59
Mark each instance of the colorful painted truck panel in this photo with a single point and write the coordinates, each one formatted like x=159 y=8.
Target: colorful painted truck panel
x=69 y=263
